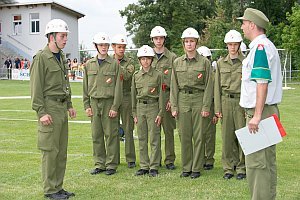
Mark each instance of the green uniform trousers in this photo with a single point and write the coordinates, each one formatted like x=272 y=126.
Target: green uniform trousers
x=53 y=142
x=104 y=134
x=169 y=124
x=192 y=134
x=233 y=119
x=128 y=126
x=261 y=165
x=210 y=138
x=146 y=114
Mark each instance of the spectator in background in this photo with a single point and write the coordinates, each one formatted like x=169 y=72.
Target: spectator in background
x=17 y=63
x=74 y=67
x=8 y=64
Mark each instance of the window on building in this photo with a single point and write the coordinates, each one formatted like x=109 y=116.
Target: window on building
x=17 y=24
x=34 y=23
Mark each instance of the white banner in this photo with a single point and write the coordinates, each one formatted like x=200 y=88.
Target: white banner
x=20 y=74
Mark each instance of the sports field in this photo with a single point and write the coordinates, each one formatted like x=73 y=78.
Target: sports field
x=20 y=171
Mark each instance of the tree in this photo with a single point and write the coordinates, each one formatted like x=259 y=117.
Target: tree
x=83 y=54
x=291 y=35
x=173 y=15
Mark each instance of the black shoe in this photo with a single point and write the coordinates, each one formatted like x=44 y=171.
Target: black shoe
x=185 y=174
x=56 y=195
x=69 y=194
x=240 y=176
x=142 y=172
x=153 y=172
x=131 y=164
x=97 y=171
x=195 y=175
x=228 y=176
x=170 y=166
x=208 y=167
x=110 y=172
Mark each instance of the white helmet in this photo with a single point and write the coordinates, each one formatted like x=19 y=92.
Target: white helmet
x=204 y=51
x=243 y=47
x=119 y=39
x=145 y=50
x=158 y=31
x=56 y=26
x=233 y=36
x=101 y=38
x=190 y=33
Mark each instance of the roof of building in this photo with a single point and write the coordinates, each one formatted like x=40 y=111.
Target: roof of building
x=13 y=3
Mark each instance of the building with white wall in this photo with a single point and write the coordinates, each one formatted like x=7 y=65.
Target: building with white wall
x=22 y=27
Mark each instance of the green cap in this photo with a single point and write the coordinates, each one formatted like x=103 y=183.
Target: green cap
x=255 y=16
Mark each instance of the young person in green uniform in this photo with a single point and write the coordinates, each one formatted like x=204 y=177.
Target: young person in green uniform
x=261 y=91
x=102 y=96
x=163 y=61
x=147 y=110
x=51 y=99
x=119 y=43
x=210 y=131
x=227 y=96
x=191 y=98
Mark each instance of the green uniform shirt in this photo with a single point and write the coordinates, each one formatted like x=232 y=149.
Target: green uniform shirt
x=165 y=65
x=48 y=77
x=147 y=86
x=102 y=81
x=192 y=74
x=127 y=70
x=227 y=78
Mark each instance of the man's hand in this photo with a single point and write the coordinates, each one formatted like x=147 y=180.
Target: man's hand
x=204 y=114
x=72 y=113
x=215 y=120
x=112 y=113
x=89 y=112
x=253 y=124
x=46 y=120
x=135 y=119
x=174 y=113
x=219 y=115
x=158 y=120
x=168 y=106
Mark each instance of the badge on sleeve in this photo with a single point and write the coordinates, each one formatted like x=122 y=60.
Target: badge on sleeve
x=200 y=75
x=164 y=87
x=121 y=77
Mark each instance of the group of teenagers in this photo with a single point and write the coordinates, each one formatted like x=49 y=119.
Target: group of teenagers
x=186 y=92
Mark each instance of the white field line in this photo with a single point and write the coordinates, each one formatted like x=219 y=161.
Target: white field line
x=28 y=97
x=38 y=153
x=34 y=120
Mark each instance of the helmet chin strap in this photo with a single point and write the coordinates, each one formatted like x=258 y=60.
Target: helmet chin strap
x=54 y=35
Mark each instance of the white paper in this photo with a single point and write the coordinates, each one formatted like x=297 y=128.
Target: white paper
x=268 y=134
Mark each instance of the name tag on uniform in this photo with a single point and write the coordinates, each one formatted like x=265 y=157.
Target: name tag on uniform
x=108 y=80
x=152 y=90
x=200 y=75
x=166 y=72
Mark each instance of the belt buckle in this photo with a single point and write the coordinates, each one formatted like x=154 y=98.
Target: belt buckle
x=145 y=102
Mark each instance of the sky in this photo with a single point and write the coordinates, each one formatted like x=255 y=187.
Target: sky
x=100 y=16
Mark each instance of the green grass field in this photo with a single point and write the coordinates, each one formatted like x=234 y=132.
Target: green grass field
x=20 y=166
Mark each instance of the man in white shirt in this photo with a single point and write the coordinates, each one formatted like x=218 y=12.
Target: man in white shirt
x=261 y=91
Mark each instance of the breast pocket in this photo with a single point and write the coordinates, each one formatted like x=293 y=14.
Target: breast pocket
x=225 y=74
x=167 y=71
x=92 y=77
x=109 y=79
x=182 y=76
x=153 y=89
x=54 y=76
x=139 y=89
x=199 y=76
